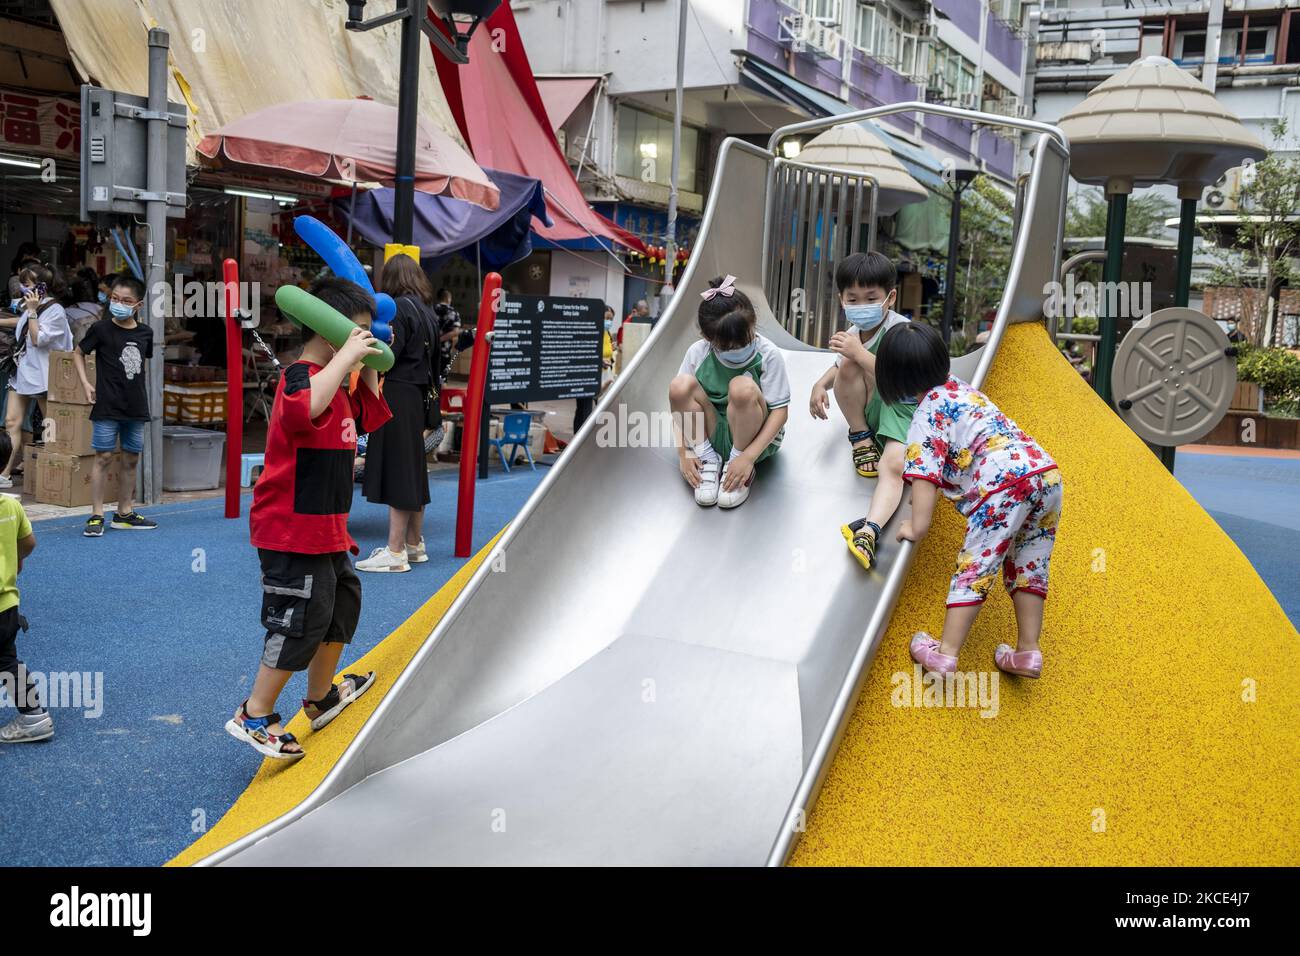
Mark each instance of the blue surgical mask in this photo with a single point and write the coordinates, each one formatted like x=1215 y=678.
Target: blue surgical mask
x=738 y=356
x=865 y=317
x=103 y=297
x=609 y=325
x=120 y=310
x=15 y=305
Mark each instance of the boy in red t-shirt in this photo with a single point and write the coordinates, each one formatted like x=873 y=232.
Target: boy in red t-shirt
x=311 y=597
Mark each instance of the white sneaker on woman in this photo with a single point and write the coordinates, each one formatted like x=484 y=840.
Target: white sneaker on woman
x=381 y=559
x=415 y=553
x=706 y=495
x=6 y=481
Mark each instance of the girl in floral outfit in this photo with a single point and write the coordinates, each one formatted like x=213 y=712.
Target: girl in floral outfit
x=1004 y=483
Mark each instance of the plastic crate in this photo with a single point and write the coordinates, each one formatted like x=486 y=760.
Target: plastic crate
x=194 y=404
x=191 y=458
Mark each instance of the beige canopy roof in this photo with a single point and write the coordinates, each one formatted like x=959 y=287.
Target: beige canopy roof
x=1155 y=123
x=230 y=58
x=852 y=146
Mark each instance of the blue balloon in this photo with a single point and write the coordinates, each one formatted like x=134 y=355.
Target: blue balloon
x=344 y=264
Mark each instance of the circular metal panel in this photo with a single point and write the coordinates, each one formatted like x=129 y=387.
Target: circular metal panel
x=1174 y=376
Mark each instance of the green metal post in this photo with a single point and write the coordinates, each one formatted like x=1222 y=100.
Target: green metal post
x=1182 y=280
x=1111 y=273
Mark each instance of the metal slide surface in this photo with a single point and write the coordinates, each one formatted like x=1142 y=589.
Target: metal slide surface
x=640 y=680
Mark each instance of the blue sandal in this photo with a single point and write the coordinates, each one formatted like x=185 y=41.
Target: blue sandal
x=252 y=730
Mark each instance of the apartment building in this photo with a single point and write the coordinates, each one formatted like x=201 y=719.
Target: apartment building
x=607 y=71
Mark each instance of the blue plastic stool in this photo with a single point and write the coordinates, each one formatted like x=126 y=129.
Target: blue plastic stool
x=246 y=465
x=514 y=432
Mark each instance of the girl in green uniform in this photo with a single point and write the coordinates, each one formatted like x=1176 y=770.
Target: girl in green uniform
x=731 y=398
x=868 y=287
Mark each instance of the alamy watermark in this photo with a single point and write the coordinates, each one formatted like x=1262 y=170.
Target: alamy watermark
x=960 y=689
x=1121 y=300
x=55 y=690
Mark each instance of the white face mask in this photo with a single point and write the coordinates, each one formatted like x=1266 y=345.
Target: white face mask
x=739 y=356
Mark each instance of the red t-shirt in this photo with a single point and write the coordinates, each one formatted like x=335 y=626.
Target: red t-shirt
x=302 y=498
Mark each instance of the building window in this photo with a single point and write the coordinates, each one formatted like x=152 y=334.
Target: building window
x=828 y=10
x=1191 y=48
x=645 y=149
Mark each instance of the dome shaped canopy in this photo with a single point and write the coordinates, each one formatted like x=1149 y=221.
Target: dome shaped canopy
x=1155 y=123
x=854 y=147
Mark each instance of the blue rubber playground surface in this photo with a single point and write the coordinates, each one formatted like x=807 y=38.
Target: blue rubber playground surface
x=170 y=619
x=1256 y=500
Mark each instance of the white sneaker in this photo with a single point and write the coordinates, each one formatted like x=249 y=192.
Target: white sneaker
x=706 y=495
x=415 y=553
x=736 y=497
x=6 y=482
x=381 y=559
x=25 y=729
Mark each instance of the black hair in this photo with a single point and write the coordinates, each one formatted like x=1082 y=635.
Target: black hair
x=87 y=274
x=443 y=293
x=27 y=250
x=911 y=359
x=108 y=279
x=727 y=321
x=342 y=295
x=82 y=289
x=130 y=282
x=866 y=269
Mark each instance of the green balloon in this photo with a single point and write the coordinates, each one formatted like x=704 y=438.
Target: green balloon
x=329 y=323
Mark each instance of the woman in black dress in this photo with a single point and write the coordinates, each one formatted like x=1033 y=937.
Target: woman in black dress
x=396 y=472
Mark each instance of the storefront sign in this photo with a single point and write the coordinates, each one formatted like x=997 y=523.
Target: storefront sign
x=546 y=348
x=39 y=125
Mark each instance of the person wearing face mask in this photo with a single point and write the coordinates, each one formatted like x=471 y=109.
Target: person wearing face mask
x=868 y=288
x=42 y=327
x=731 y=397
x=120 y=401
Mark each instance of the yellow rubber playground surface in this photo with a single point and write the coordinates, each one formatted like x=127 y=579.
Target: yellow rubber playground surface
x=1164 y=730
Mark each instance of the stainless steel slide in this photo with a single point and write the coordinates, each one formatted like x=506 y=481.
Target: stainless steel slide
x=632 y=679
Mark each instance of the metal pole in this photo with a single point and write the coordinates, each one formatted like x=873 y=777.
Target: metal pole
x=1186 y=236
x=670 y=244
x=408 y=101
x=1107 y=325
x=950 y=269
x=1182 y=282
x=156 y=262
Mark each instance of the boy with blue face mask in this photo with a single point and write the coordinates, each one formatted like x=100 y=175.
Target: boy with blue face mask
x=120 y=400
x=731 y=396
x=868 y=287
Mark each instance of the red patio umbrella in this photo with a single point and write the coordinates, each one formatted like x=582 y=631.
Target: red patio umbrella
x=349 y=140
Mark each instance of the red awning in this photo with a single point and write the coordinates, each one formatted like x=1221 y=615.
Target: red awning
x=500 y=112
x=562 y=94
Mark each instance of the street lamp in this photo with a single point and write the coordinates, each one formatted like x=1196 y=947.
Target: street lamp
x=958 y=178
x=412 y=13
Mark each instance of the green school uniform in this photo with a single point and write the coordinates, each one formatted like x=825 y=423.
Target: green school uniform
x=767 y=368
x=886 y=421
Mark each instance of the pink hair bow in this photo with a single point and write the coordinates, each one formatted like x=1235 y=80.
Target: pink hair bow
x=727 y=288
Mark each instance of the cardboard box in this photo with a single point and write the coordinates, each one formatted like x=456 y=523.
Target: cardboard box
x=65 y=479
x=65 y=384
x=31 y=455
x=68 y=429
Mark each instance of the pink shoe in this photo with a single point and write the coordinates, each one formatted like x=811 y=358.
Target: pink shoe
x=1021 y=663
x=925 y=651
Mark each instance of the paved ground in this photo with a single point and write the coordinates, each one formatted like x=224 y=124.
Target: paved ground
x=1256 y=500
x=168 y=618
x=130 y=786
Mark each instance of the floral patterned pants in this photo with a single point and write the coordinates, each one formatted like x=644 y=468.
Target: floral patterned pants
x=1012 y=531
